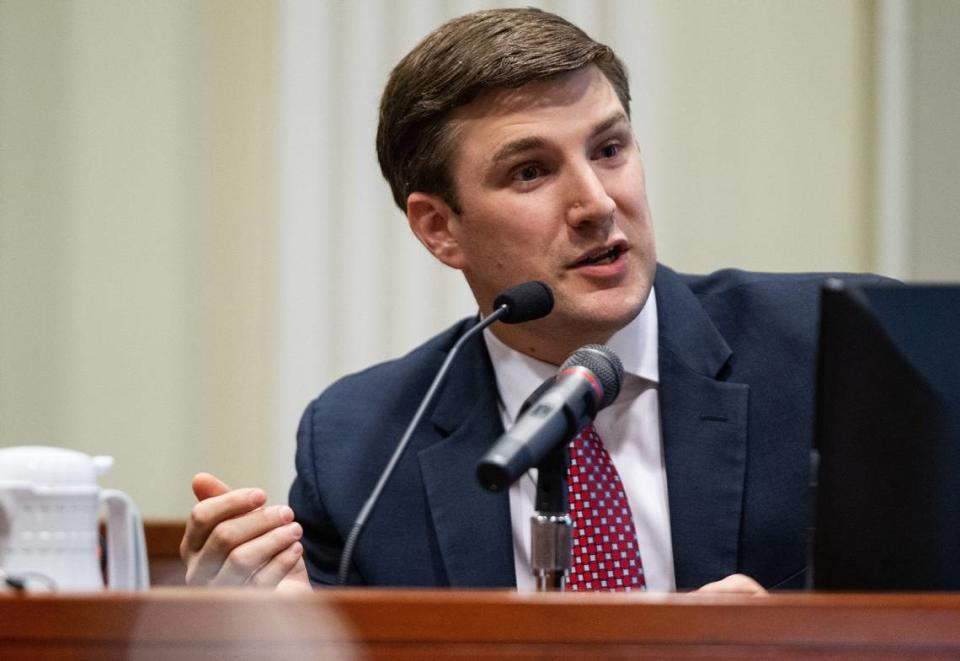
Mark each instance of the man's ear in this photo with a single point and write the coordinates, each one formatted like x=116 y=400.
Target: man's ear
x=436 y=225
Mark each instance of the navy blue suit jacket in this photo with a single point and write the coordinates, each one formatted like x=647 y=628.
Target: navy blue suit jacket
x=736 y=353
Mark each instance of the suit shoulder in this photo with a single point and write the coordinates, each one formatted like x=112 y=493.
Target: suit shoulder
x=736 y=281
x=767 y=307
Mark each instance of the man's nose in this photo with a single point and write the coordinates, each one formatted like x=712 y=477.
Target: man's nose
x=587 y=199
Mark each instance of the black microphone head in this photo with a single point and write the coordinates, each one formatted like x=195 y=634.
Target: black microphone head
x=604 y=364
x=525 y=302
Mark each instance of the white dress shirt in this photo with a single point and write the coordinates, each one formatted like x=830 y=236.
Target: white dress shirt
x=630 y=430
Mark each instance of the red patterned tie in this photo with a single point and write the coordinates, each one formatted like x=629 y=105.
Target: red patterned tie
x=606 y=556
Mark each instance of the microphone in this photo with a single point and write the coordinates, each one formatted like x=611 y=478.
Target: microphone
x=588 y=381
x=524 y=302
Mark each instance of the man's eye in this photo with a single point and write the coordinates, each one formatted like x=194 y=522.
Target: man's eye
x=609 y=151
x=528 y=173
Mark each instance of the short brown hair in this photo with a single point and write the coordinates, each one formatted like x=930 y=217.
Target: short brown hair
x=498 y=48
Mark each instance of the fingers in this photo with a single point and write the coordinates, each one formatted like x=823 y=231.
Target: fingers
x=243 y=561
x=240 y=545
x=735 y=583
x=209 y=513
x=231 y=539
x=206 y=485
x=270 y=574
x=297 y=579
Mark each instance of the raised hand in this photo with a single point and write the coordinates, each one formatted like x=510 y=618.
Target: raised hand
x=232 y=539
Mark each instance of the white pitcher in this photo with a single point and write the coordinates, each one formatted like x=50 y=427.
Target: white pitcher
x=49 y=511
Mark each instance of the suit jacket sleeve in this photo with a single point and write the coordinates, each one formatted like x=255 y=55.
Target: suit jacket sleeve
x=321 y=540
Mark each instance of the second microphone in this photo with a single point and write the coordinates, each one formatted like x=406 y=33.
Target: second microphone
x=587 y=381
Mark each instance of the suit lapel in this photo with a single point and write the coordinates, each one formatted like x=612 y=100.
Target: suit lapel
x=471 y=524
x=704 y=422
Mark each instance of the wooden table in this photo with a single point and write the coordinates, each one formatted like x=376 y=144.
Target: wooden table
x=174 y=623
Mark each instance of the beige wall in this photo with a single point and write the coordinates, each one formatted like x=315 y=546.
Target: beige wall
x=761 y=157
x=136 y=236
x=935 y=204
x=139 y=205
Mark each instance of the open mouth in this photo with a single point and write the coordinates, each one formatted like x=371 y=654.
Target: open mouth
x=602 y=256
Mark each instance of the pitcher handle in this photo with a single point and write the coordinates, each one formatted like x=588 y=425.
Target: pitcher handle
x=127 y=567
x=6 y=519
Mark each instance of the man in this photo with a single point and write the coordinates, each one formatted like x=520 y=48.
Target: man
x=506 y=139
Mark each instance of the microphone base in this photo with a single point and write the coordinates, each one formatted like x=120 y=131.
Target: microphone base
x=551 y=537
x=551 y=581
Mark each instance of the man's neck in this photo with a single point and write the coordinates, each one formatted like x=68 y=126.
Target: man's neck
x=546 y=343
x=636 y=344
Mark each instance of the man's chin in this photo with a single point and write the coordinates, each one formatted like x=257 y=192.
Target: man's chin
x=609 y=308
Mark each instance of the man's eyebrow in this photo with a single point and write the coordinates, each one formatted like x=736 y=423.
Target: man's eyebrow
x=517 y=147
x=610 y=122
x=528 y=144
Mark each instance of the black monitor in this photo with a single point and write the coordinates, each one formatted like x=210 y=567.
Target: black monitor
x=887 y=513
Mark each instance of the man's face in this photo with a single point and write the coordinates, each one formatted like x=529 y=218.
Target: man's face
x=551 y=187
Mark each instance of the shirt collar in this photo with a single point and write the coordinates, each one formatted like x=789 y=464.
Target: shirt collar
x=518 y=374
